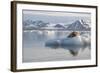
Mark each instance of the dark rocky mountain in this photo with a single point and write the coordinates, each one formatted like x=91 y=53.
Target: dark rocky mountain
x=79 y=25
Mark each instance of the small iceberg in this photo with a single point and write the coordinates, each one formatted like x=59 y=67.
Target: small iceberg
x=75 y=41
x=68 y=41
x=71 y=42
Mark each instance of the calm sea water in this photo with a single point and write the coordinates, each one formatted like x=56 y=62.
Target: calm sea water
x=34 y=49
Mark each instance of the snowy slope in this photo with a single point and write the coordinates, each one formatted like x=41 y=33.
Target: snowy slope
x=79 y=25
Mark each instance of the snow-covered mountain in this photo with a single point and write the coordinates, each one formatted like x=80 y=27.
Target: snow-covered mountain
x=59 y=26
x=54 y=26
x=30 y=27
x=79 y=25
x=29 y=24
x=41 y=25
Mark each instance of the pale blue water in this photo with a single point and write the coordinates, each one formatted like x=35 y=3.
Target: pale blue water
x=34 y=49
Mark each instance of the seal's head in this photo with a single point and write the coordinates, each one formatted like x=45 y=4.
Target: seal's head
x=74 y=34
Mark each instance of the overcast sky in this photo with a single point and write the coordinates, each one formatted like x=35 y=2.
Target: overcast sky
x=55 y=17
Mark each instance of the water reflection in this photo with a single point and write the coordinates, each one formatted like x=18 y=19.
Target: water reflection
x=74 y=50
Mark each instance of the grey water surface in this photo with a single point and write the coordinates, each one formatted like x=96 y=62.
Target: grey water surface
x=34 y=49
